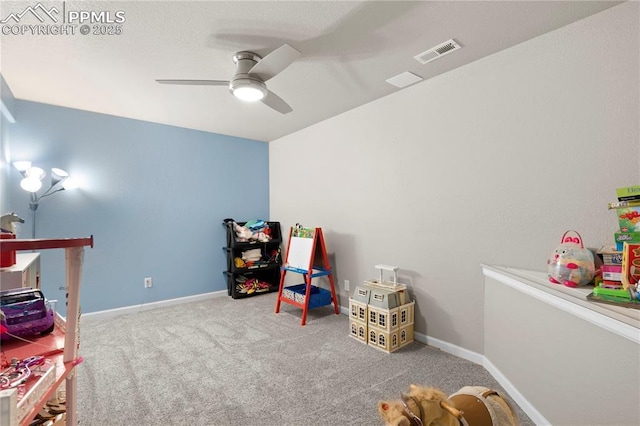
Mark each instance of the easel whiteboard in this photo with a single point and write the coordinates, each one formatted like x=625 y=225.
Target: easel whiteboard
x=299 y=255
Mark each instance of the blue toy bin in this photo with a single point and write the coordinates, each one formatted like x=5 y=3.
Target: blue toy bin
x=318 y=297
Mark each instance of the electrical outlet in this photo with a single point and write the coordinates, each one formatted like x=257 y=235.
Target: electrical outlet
x=346 y=285
x=148 y=282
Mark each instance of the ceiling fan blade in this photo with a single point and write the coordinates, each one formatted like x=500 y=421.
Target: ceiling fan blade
x=196 y=82
x=276 y=102
x=274 y=62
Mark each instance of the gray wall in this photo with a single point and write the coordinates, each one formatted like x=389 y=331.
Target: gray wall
x=490 y=163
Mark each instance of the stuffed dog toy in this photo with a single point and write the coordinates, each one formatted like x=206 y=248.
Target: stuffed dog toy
x=428 y=406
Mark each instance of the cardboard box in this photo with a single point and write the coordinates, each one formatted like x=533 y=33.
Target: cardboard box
x=628 y=193
x=611 y=272
x=630 y=264
x=610 y=255
x=629 y=219
x=629 y=237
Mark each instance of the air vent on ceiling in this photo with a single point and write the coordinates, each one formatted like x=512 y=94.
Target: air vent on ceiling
x=437 y=51
x=403 y=80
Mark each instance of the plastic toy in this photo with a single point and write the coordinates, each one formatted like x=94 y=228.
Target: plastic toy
x=7 y=222
x=25 y=311
x=245 y=234
x=19 y=372
x=471 y=405
x=570 y=263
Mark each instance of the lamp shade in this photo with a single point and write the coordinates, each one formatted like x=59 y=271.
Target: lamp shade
x=69 y=183
x=35 y=172
x=22 y=166
x=31 y=184
x=58 y=175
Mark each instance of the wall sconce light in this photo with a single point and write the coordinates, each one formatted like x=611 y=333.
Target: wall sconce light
x=32 y=182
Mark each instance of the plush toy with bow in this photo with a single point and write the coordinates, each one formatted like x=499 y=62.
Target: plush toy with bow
x=570 y=263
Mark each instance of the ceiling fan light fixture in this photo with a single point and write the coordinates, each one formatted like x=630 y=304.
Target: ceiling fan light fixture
x=248 y=89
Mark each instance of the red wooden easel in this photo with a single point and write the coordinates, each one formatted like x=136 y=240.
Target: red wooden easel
x=306 y=255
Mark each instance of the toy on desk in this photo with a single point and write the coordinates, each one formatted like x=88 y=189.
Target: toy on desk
x=570 y=263
x=19 y=371
x=8 y=221
x=25 y=312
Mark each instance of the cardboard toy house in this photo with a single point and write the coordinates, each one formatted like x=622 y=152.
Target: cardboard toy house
x=380 y=313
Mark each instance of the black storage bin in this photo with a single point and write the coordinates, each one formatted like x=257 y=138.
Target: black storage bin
x=246 y=279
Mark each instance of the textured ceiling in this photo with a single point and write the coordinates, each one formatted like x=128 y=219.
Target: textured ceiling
x=348 y=51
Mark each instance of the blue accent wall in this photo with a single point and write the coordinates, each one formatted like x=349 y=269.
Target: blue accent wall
x=153 y=196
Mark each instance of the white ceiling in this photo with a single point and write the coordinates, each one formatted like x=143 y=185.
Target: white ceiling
x=348 y=51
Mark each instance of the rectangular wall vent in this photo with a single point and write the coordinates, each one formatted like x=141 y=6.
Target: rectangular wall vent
x=437 y=51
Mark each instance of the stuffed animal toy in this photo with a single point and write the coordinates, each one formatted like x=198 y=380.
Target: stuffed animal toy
x=244 y=234
x=429 y=406
x=570 y=263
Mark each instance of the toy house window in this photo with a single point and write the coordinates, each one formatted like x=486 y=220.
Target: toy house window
x=394 y=320
x=354 y=330
x=362 y=314
x=381 y=340
x=403 y=316
x=372 y=317
x=361 y=332
x=403 y=336
x=382 y=320
x=394 y=340
x=354 y=311
x=372 y=337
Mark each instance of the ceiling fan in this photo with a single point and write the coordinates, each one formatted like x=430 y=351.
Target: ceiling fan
x=252 y=71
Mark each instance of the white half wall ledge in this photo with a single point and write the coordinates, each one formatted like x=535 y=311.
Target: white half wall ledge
x=620 y=320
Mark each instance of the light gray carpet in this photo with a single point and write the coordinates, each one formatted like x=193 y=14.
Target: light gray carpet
x=236 y=362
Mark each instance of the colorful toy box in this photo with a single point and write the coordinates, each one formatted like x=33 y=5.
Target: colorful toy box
x=629 y=237
x=629 y=219
x=380 y=314
x=610 y=255
x=630 y=264
x=628 y=193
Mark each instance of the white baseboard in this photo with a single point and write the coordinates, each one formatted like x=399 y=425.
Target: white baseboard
x=526 y=406
x=154 y=305
x=450 y=348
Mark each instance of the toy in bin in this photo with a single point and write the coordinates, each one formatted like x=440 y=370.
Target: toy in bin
x=570 y=263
